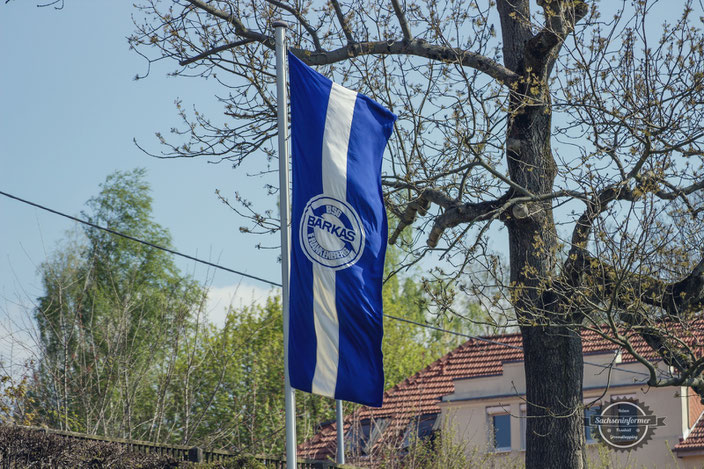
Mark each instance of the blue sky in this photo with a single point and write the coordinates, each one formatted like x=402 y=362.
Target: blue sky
x=70 y=109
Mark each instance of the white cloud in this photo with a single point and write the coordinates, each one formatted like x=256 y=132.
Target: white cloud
x=237 y=296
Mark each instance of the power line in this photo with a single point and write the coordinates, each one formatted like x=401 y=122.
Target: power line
x=141 y=241
x=460 y=334
x=276 y=284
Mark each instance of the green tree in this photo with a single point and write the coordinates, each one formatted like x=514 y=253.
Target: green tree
x=230 y=383
x=111 y=314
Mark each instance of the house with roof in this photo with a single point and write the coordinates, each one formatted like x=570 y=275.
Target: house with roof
x=477 y=394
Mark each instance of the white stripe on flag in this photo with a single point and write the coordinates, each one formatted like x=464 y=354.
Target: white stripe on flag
x=327 y=331
x=336 y=137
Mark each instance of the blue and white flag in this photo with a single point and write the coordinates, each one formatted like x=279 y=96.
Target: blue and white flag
x=338 y=238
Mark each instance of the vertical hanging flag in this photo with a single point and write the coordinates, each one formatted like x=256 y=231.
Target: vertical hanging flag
x=338 y=241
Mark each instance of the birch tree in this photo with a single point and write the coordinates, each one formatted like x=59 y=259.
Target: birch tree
x=112 y=318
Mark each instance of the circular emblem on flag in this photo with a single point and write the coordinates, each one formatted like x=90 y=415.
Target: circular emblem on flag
x=331 y=233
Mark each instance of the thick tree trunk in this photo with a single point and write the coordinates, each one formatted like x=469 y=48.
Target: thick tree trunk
x=553 y=353
x=553 y=367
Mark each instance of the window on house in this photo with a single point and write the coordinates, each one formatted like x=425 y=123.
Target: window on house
x=420 y=428
x=590 y=430
x=378 y=427
x=501 y=431
x=362 y=435
x=358 y=436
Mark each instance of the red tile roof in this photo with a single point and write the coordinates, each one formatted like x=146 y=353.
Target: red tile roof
x=421 y=393
x=695 y=407
x=695 y=439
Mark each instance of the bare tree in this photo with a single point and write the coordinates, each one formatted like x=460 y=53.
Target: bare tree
x=567 y=126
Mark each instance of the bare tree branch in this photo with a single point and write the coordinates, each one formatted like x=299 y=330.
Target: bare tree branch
x=301 y=19
x=403 y=22
x=415 y=47
x=240 y=28
x=418 y=48
x=215 y=50
x=343 y=21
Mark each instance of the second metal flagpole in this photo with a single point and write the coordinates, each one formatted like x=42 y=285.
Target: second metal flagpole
x=284 y=208
x=340 y=433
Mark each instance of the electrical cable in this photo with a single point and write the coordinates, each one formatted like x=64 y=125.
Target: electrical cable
x=137 y=240
x=270 y=282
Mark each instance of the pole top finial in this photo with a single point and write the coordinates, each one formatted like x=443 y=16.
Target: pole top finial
x=279 y=24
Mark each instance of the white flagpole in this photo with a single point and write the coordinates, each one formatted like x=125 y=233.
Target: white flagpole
x=284 y=208
x=340 y=433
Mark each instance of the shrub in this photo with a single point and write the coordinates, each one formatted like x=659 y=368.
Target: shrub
x=22 y=447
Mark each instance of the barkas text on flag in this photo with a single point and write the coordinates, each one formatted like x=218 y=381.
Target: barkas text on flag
x=338 y=238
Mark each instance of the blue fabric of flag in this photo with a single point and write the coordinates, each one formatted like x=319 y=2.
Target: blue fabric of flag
x=338 y=238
